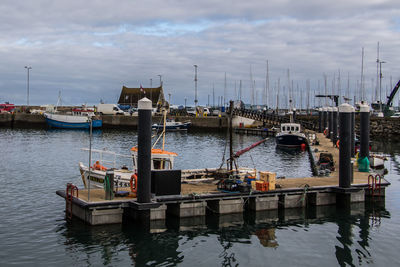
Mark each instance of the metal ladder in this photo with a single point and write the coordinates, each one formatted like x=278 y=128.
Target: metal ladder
x=374 y=185
x=70 y=193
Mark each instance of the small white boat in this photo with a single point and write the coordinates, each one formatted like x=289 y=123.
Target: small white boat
x=123 y=177
x=377 y=162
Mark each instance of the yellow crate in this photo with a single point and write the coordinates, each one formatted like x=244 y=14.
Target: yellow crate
x=270 y=178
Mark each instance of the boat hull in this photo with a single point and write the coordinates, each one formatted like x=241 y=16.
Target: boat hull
x=71 y=122
x=178 y=127
x=290 y=141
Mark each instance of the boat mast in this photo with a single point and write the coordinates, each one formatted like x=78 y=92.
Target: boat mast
x=362 y=94
x=290 y=97
x=163 y=133
x=267 y=86
x=377 y=73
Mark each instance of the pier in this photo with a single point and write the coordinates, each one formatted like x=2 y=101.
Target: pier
x=201 y=199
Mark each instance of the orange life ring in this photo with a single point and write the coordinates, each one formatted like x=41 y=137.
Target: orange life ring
x=325 y=132
x=337 y=143
x=133 y=189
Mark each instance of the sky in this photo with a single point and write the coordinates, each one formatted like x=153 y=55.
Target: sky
x=87 y=50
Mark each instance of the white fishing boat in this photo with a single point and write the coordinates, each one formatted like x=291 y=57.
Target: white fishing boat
x=123 y=177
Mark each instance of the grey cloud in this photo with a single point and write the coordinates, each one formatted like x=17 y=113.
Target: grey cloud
x=90 y=49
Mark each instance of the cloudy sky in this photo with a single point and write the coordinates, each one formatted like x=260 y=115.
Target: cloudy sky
x=89 y=49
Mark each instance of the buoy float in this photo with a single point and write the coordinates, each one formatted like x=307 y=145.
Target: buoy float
x=337 y=143
x=303 y=146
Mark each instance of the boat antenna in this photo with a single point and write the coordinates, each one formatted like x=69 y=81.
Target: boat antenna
x=163 y=133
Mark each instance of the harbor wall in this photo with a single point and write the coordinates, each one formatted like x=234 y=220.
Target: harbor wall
x=379 y=127
x=25 y=120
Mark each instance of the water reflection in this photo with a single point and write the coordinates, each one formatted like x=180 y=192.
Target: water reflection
x=233 y=234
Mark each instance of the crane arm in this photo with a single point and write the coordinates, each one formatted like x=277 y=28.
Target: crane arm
x=392 y=94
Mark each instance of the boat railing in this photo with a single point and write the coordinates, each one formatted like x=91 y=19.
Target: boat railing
x=105 y=157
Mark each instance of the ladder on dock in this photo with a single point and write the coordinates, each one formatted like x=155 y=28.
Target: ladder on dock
x=374 y=185
x=70 y=193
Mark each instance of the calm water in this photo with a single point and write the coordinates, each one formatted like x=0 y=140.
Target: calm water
x=33 y=232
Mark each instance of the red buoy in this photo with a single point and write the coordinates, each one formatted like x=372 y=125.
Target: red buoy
x=303 y=146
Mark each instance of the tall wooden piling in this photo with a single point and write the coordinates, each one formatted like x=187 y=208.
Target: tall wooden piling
x=144 y=151
x=330 y=122
x=335 y=125
x=353 y=134
x=345 y=168
x=364 y=131
x=320 y=130
x=324 y=118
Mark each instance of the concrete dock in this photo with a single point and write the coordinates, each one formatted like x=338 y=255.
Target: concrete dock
x=198 y=200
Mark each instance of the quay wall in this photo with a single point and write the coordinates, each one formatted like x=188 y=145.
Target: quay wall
x=111 y=121
x=388 y=128
x=379 y=128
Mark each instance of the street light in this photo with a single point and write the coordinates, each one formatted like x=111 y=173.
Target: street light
x=195 y=85
x=27 y=98
x=159 y=75
x=380 y=84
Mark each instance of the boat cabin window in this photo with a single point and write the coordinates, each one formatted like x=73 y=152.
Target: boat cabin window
x=297 y=129
x=292 y=128
x=161 y=164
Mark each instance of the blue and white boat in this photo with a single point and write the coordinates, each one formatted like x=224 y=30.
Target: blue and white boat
x=79 y=119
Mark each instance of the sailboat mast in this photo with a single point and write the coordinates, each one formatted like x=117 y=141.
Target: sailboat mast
x=362 y=96
x=267 y=86
x=377 y=73
x=165 y=119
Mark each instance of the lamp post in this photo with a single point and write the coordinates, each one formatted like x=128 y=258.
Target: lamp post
x=380 y=84
x=169 y=98
x=159 y=75
x=195 y=85
x=27 y=98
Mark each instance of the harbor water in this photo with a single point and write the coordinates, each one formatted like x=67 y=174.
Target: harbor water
x=33 y=231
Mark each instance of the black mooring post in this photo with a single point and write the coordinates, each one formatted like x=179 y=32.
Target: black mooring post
x=324 y=118
x=320 y=130
x=335 y=125
x=330 y=122
x=345 y=111
x=364 y=131
x=144 y=151
x=353 y=134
